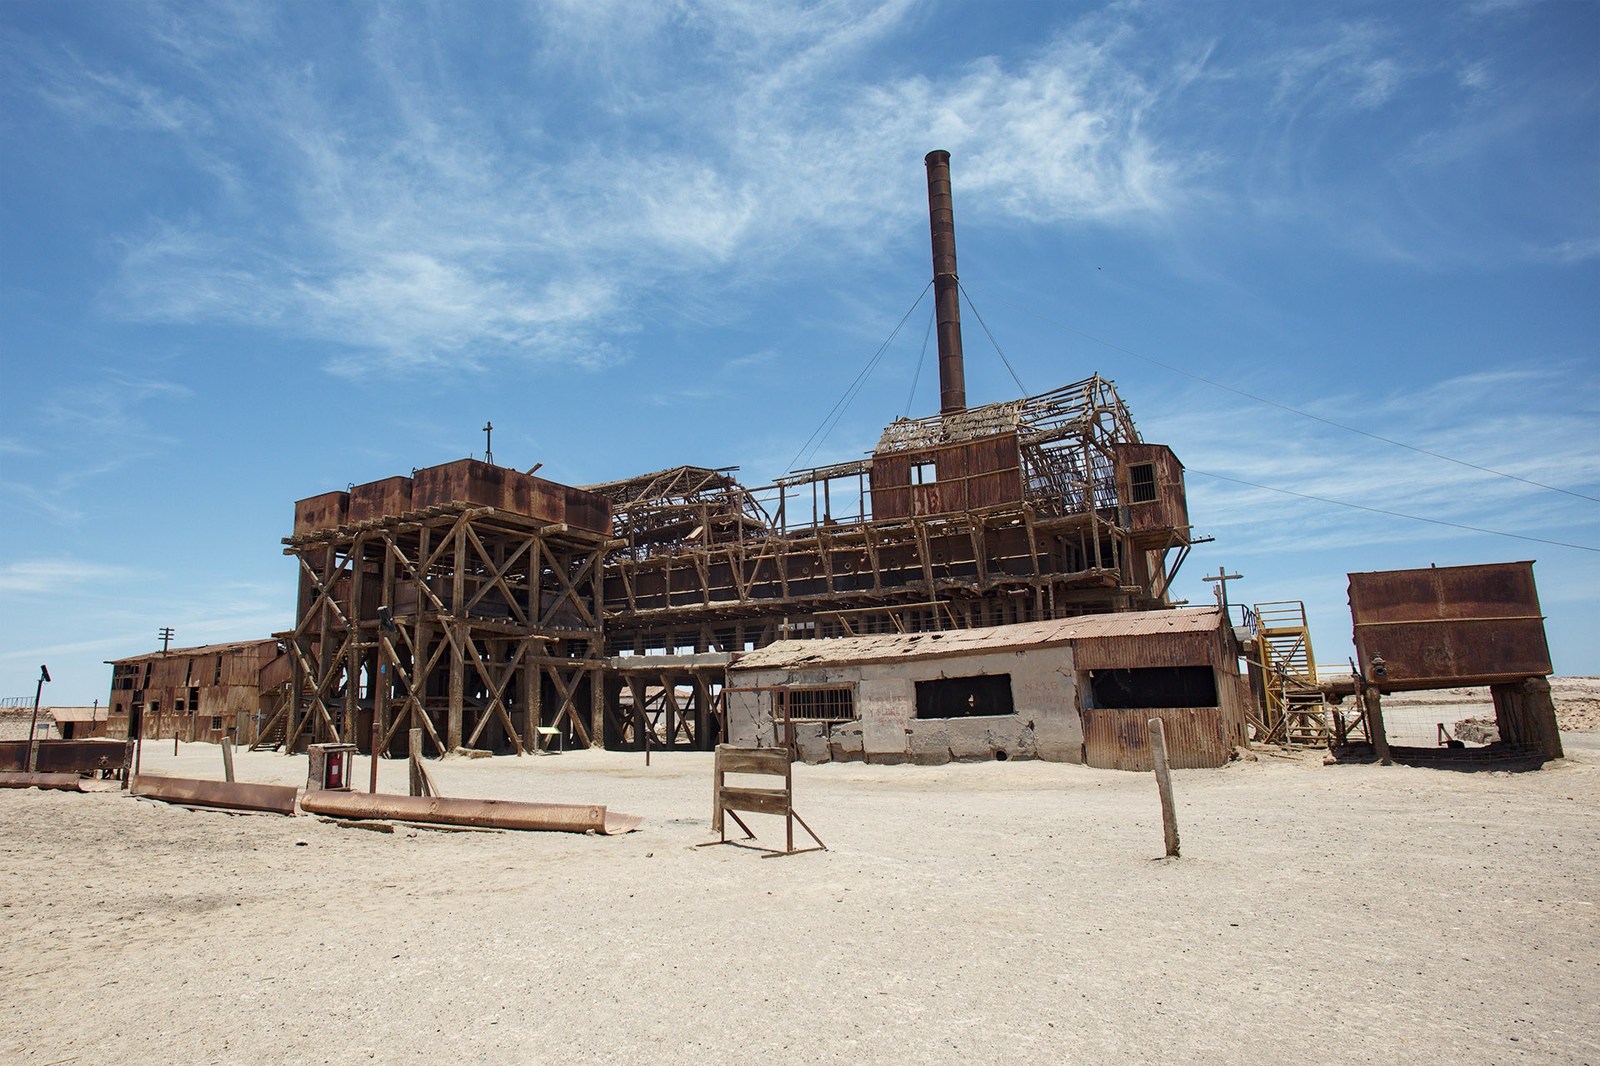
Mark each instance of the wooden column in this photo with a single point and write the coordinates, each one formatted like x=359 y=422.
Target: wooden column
x=461 y=636
x=1380 y=737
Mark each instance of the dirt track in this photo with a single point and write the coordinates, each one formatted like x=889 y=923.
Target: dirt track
x=1011 y=912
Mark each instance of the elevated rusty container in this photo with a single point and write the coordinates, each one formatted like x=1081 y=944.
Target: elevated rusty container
x=380 y=499
x=475 y=482
x=1450 y=625
x=327 y=511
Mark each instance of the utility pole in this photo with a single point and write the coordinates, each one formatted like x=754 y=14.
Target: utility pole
x=488 y=443
x=167 y=634
x=1222 y=577
x=33 y=750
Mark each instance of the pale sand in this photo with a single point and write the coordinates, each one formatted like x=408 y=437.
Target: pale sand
x=1000 y=912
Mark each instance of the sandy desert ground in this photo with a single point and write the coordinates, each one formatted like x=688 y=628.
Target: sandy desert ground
x=998 y=912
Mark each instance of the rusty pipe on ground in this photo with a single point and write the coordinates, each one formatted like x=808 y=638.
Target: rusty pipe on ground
x=483 y=813
x=946 y=287
x=226 y=795
x=58 y=782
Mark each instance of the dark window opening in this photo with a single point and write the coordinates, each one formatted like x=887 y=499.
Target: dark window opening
x=965 y=697
x=818 y=704
x=216 y=721
x=1142 y=480
x=1155 y=686
x=177 y=705
x=194 y=697
x=216 y=678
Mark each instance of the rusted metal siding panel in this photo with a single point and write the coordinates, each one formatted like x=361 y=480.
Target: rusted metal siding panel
x=890 y=479
x=1453 y=625
x=1132 y=651
x=1120 y=739
x=376 y=499
x=326 y=511
x=970 y=474
x=475 y=482
x=1167 y=516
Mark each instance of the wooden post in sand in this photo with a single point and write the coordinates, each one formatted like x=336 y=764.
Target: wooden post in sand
x=1158 y=754
x=227 y=758
x=416 y=763
x=1380 y=736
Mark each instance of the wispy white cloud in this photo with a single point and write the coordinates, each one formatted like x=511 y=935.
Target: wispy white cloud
x=51 y=577
x=421 y=229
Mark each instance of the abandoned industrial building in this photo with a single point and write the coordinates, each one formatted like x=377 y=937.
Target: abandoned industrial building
x=989 y=582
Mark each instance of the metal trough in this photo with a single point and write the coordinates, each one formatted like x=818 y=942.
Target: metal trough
x=227 y=795
x=59 y=782
x=485 y=813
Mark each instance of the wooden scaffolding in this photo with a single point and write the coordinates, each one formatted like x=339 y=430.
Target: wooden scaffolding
x=474 y=624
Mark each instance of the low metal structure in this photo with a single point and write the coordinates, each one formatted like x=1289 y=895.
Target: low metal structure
x=1453 y=626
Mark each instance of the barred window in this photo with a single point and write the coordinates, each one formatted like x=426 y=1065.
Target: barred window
x=1142 y=480
x=816 y=704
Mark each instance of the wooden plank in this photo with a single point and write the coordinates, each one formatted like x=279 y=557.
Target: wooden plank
x=774 y=761
x=755 y=800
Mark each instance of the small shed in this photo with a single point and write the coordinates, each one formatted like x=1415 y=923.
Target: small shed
x=80 y=723
x=1067 y=690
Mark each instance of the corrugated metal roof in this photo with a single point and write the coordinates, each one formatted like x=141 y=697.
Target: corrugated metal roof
x=790 y=654
x=78 y=714
x=204 y=649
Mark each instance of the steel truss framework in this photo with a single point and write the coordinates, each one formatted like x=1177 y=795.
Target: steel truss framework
x=491 y=628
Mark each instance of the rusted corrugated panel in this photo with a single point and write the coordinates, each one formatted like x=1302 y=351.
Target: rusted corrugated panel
x=1450 y=625
x=377 y=499
x=1120 y=739
x=326 y=511
x=475 y=482
x=890 y=477
x=1130 y=651
x=1161 y=627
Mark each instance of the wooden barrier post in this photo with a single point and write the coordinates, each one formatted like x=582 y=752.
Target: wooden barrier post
x=227 y=759
x=1158 y=754
x=416 y=763
x=1380 y=736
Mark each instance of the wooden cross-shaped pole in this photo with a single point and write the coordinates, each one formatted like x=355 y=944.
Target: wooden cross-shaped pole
x=488 y=443
x=1222 y=577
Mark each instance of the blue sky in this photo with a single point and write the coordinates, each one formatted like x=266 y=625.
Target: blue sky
x=254 y=252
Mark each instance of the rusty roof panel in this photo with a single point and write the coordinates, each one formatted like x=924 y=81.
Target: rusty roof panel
x=1156 y=626
x=1450 y=625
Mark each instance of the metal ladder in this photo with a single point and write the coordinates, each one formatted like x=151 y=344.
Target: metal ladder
x=1295 y=711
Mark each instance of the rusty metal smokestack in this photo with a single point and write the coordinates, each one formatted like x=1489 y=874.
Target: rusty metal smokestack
x=946 y=292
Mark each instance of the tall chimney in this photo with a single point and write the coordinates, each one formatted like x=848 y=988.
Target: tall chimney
x=946 y=293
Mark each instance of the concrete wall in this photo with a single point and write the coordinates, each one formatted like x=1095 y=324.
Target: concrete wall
x=1044 y=692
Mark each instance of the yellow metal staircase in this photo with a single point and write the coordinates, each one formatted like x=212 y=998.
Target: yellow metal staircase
x=1294 y=710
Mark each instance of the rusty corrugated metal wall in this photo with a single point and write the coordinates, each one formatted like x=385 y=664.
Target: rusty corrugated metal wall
x=1450 y=625
x=1120 y=739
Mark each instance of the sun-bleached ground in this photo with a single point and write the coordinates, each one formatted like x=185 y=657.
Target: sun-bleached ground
x=999 y=912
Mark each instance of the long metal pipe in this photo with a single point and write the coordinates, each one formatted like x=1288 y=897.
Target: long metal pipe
x=228 y=795
x=485 y=813
x=946 y=289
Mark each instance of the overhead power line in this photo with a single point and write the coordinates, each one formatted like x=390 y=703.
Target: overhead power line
x=1392 y=514
x=831 y=420
x=974 y=307
x=1295 y=410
